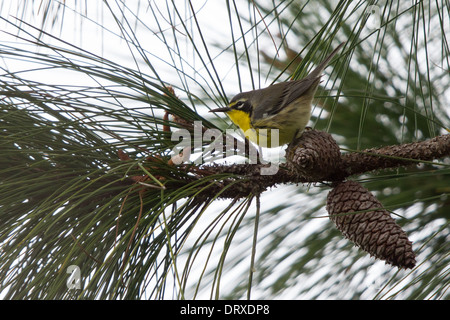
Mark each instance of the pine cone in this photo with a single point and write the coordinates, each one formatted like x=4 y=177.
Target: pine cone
x=349 y=205
x=314 y=155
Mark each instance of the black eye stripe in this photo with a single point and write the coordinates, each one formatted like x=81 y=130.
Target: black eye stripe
x=243 y=106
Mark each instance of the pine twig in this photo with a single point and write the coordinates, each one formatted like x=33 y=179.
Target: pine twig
x=314 y=158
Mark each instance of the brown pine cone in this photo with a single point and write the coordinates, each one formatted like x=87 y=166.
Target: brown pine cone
x=314 y=155
x=350 y=206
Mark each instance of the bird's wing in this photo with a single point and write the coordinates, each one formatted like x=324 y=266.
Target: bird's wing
x=310 y=82
x=298 y=88
x=292 y=90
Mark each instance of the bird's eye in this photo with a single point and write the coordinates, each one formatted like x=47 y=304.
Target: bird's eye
x=239 y=104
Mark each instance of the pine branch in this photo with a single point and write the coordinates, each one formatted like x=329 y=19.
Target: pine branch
x=396 y=155
x=316 y=157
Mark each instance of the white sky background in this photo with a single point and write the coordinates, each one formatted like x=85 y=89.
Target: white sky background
x=213 y=17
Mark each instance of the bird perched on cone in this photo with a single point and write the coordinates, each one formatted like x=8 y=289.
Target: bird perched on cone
x=284 y=106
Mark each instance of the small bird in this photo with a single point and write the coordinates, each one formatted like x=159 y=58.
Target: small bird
x=284 y=106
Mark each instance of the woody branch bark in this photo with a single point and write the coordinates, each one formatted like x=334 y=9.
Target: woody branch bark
x=396 y=155
x=316 y=157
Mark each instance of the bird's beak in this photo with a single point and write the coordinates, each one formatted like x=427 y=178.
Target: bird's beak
x=226 y=109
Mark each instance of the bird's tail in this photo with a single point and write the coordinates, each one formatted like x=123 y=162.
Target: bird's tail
x=318 y=70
